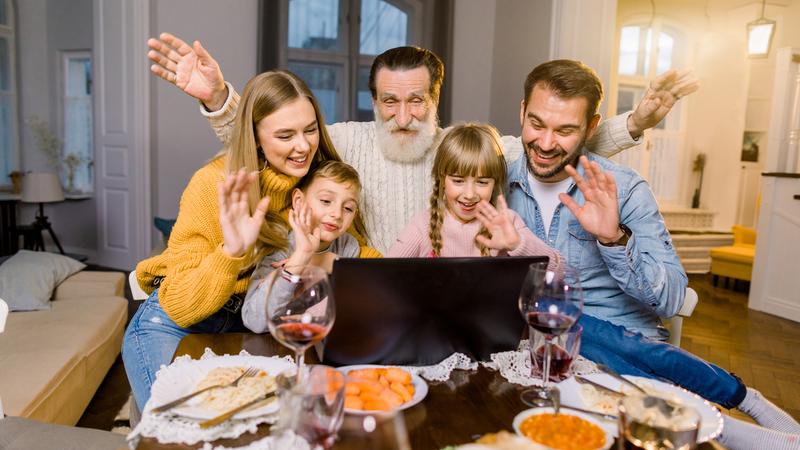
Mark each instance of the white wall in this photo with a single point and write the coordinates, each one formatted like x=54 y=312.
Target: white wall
x=182 y=139
x=522 y=41
x=495 y=45
x=471 y=74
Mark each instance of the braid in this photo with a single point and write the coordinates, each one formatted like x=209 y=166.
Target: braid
x=437 y=217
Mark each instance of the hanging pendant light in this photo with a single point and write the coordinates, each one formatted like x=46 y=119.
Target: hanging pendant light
x=759 y=35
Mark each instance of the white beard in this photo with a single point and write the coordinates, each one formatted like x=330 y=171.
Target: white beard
x=405 y=149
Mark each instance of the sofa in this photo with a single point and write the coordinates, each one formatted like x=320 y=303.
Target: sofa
x=52 y=361
x=735 y=261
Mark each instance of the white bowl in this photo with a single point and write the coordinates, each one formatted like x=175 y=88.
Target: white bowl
x=608 y=426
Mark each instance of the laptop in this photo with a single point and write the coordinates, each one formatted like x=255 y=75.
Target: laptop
x=419 y=311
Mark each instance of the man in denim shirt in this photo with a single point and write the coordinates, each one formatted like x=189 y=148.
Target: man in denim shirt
x=630 y=273
x=604 y=221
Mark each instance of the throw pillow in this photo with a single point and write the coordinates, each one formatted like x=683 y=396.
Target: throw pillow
x=27 y=279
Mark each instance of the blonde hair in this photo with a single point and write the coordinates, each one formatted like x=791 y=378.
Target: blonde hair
x=333 y=170
x=342 y=173
x=263 y=95
x=469 y=149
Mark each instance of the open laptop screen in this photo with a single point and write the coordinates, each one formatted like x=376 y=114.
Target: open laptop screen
x=418 y=311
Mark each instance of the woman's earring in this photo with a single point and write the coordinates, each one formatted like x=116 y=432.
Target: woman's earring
x=266 y=164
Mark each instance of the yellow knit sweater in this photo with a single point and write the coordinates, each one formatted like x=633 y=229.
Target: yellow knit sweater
x=198 y=276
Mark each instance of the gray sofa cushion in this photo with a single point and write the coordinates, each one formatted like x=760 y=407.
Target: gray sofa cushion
x=27 y=279
x=17 y=433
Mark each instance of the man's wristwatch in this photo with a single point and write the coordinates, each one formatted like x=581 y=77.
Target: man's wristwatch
x=622 y=241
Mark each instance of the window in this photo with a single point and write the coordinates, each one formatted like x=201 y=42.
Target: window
x=76 y=113
x=331 y=45
x=9 y=155
x=642 y=58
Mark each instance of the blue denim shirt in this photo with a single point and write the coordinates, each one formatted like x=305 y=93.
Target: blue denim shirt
x=631 y=286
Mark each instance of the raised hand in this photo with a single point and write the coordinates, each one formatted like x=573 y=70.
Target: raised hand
x=239 y=229
x=306 y=234
x=659 y=99
x=599 y=214
x=498 y=222
x=190 y=68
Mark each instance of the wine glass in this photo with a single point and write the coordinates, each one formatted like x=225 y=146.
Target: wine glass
x=314 y=408
x=551 y=302
x=300 y=309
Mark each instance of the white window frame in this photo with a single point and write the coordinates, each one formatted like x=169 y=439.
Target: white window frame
x=676 y=121
x=9 y=32
x=65 y=57
x=348 y=62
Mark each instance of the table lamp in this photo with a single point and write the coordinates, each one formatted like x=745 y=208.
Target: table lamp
x=43 y=188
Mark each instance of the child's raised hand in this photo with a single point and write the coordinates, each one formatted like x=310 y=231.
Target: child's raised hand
x=306 y=235
x=239 y=229
x=498 y=222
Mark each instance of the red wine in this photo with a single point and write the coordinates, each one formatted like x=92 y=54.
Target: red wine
x=549 y=323
x=298 y=334
x=560 y=361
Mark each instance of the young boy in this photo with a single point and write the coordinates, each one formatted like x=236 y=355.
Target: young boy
x=324 y=206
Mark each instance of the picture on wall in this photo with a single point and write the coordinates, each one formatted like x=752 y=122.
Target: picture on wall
x=750 y=144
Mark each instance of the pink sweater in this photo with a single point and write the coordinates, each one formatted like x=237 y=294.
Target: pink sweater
x=458 y=239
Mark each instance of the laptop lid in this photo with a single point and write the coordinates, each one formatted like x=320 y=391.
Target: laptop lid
x=419 y=311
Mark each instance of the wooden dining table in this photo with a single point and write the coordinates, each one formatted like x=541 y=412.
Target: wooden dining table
x=458 y=411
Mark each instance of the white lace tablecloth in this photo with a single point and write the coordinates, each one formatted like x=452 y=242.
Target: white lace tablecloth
x=168 y=428
x=514 y=366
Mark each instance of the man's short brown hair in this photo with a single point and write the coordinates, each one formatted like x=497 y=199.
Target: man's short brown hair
x=567 y=79
x=408 y=58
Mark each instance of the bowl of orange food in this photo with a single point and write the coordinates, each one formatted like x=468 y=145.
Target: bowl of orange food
x=567 y=430
x=372 y=388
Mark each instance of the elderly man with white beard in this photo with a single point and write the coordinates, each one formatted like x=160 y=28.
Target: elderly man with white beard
x=392 y=154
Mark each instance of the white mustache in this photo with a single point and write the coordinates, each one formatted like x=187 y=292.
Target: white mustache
x=392 y=125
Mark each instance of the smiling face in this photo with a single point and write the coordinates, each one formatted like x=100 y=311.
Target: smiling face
x=333 y=206
x=463 y=193
x=405 y=113
x=554 y=130
x=289 y=137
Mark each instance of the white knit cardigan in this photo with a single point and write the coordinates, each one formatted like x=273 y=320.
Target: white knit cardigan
x=394 y=192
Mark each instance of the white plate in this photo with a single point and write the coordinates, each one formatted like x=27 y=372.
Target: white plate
x=180 y=380
x=608 y=427
x=420 y=388
x=710 y=417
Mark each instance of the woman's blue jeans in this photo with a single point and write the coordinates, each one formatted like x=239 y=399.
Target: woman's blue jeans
x=633 y=354
x=152 y=337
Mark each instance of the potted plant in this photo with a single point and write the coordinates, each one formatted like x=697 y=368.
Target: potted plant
x=51 y=145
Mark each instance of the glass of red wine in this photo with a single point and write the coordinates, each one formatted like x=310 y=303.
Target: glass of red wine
x=551 y=302
x=314 y=408
x=300 y=309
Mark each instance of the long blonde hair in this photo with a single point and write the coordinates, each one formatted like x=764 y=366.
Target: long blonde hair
x=470 y=149
x=264 y=94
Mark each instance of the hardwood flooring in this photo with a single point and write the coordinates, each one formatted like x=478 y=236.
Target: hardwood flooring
x=764 y=350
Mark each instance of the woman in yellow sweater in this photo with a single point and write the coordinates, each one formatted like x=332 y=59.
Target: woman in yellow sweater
x=231 y=214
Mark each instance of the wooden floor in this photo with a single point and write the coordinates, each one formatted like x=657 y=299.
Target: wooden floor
x=762 y=349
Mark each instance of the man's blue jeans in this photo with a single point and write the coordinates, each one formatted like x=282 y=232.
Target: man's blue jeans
x=151 y=340
x=633 y=354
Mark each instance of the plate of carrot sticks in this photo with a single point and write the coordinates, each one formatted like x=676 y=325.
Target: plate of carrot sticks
x=372 y=388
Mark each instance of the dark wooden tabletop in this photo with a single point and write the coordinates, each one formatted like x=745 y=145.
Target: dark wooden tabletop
x=458 y=411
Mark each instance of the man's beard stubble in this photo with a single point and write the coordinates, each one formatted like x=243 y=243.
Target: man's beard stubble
x=571 y=160
x=406 y=149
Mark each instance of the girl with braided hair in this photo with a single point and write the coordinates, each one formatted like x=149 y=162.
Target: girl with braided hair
x=468 y=215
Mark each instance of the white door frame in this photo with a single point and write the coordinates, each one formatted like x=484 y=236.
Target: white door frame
x=122 y=131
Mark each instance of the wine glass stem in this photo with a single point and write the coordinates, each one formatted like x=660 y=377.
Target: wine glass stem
x=299 y=360
x=546 y=370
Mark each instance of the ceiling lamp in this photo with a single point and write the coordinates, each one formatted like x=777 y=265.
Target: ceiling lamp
x=759 y=35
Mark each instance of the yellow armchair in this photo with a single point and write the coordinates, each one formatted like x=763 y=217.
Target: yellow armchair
x=735 y=261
